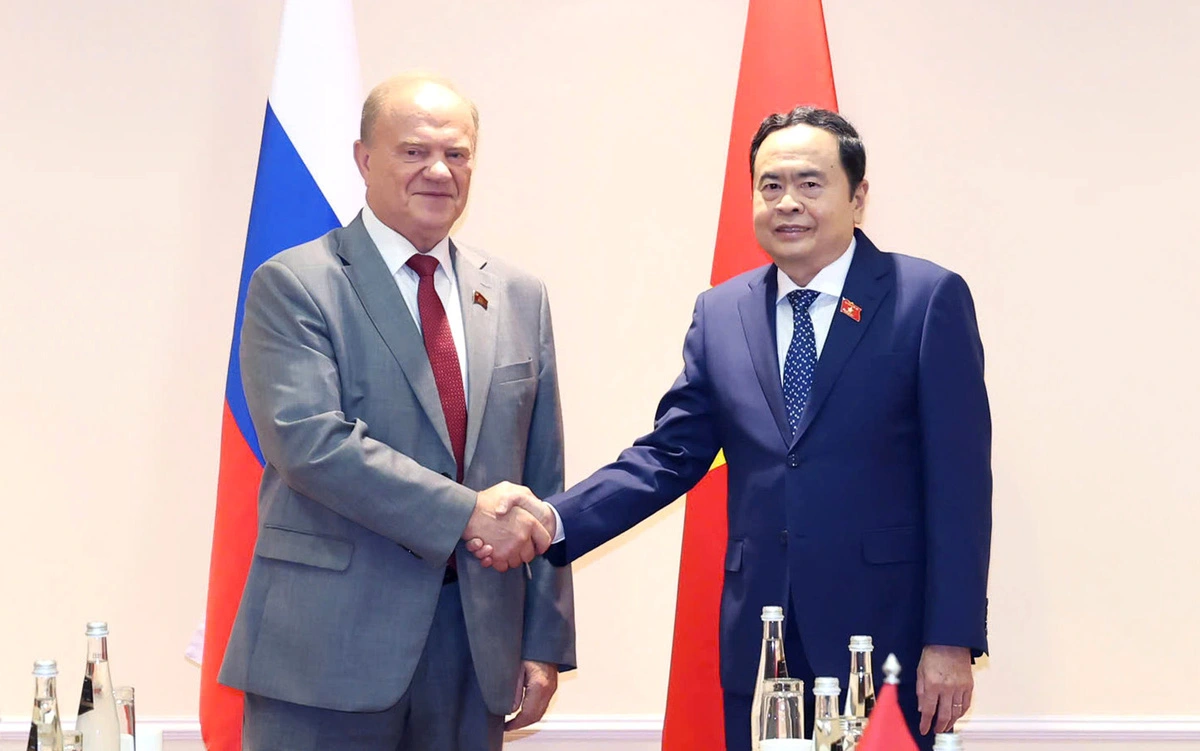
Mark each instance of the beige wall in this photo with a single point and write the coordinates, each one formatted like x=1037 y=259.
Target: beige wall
x=1046 y=150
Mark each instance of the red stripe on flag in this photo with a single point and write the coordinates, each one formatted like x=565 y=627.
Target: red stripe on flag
x=785 y=63
x=694 y=718
x=234 y=533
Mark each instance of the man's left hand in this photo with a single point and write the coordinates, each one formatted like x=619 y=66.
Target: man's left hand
x=944 y=683
x=538 y=682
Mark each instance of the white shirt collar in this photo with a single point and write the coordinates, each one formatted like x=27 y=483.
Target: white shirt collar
x=828 y=281
x=395 y=247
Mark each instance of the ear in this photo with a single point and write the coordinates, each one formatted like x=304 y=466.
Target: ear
x=859 y=199
x=362 y=158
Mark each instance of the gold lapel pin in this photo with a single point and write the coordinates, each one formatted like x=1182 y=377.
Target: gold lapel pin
x=480 y=300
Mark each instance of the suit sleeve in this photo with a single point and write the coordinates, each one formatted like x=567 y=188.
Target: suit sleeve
x=290 y=375
x=956 y=435
x=549 y=634
x=657 y=469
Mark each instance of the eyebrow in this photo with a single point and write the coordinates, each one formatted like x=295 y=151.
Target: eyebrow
x=419 y=143
x=802 y=174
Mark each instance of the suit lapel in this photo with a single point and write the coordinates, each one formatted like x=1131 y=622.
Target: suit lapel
x=385 y=306
x=867 y=283
x=480 y=322
x=757 y=309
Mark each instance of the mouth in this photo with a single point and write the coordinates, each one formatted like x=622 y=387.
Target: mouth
x=792 y=230
x=434 y=194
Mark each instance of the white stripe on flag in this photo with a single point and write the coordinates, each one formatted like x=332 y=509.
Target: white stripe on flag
x=317 y=96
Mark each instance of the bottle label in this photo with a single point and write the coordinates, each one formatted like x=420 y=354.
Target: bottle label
x=86 y=699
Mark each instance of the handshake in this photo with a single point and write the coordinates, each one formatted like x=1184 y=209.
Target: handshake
x=509 y=526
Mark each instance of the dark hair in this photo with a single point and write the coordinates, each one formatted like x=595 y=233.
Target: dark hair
x=850 y=147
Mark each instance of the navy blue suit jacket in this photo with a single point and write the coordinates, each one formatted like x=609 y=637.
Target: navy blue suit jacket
x=875 y=517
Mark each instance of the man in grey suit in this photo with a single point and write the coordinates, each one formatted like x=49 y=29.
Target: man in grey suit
x=391 y=375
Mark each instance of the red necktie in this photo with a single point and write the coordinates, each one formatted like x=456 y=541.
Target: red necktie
x=443 y=357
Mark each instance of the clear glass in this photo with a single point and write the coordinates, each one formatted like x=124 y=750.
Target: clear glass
x=126 y=717
x=73 y=741
x=782 y=719
x=771 y=665
x=45 y=727
x=947 y=742
x=97 y=719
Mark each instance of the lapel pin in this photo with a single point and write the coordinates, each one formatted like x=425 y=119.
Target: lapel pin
x=847 y=308
x=480 y=300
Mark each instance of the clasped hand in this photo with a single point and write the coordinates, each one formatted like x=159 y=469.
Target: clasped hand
x=509 y=526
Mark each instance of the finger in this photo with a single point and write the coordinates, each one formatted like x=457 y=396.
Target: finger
x=928 y=706
x=966 y=700
x=500 y=565
x=528 y=552
x=502 y=507
x=532 y=708
x=956 y=711
x=520 y=692
x=516 y=556
x=945 y=712
x=540 y=537
x=474 y=545
x=537 y=699
x=923 y=702
x=484 y=552
x=487 y=562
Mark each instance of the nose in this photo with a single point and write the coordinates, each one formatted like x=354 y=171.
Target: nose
x=789 y=205
x=438 y=170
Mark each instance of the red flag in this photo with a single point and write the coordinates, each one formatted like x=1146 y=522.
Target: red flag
x=886 y=728
x=785 y=63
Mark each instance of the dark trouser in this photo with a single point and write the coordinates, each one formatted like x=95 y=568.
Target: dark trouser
x=442 y=710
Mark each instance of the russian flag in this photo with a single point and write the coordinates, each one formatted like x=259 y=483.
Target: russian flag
x=306 y=185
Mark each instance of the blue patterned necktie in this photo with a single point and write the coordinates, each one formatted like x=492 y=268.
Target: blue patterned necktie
x=801 y=358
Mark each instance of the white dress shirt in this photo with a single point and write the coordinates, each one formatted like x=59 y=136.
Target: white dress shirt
x=829 y=281
x=396 y=250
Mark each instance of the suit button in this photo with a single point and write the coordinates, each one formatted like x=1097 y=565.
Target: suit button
x=793 y=461
x=783 y=537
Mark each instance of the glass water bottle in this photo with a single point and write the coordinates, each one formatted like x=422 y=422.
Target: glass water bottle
x=45 y=726
x=97 y=719
x=771 y=665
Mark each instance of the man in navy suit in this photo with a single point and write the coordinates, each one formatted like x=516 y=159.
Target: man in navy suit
x=845 y=386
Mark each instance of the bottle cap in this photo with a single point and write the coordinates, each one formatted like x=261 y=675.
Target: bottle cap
x=772 y=613
x=947 y=742
x=861 y=643
x=45 y=668
x=826 y=686
x=97 y=628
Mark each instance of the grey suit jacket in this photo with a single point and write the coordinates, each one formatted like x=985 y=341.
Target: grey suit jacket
x=357 y=511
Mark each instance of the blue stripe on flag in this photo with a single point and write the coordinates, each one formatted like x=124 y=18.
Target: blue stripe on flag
x=288 y=209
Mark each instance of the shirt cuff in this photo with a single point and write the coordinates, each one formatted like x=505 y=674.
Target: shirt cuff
x=559 y=534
